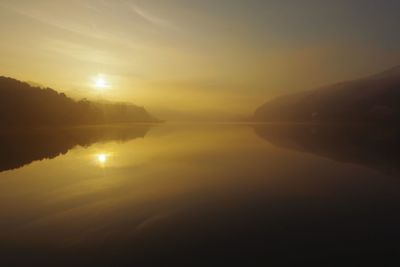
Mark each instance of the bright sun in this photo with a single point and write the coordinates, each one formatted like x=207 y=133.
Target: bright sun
x=100 y=82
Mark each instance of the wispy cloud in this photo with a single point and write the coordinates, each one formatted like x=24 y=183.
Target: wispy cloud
x=151 y=18
x=81 y=52
x=31 y=12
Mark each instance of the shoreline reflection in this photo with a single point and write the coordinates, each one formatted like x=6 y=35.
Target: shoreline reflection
x=20 y=148
x=372 y=146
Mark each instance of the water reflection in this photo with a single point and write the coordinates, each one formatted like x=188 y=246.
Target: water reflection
x=102 y=158
x=190 y=195
x=21 y=147
x=374 y=146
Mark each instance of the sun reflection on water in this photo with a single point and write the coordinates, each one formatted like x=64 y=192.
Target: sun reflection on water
x=102 y=158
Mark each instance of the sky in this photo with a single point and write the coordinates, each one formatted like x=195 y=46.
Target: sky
x=195 y=59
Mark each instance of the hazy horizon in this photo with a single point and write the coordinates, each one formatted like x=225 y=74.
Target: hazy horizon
x=205 y=59
x=199 y=133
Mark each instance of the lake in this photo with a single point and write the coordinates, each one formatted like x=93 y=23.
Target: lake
x=199 y=194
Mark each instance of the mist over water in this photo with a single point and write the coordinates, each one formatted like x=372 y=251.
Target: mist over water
x=146 y=195
x=199 y=133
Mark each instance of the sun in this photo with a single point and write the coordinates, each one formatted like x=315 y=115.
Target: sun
x=100 y=82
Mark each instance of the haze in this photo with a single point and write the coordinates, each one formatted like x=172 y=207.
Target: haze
x=195 y=59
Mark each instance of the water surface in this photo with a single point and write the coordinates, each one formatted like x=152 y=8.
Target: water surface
x=198 y=194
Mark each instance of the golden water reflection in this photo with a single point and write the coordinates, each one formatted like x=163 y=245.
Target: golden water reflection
x=102 y=158
x=182 y=184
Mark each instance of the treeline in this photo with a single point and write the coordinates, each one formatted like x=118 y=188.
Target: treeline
x=24 y=105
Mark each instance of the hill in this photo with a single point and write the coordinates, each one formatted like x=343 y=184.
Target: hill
x=374 y=98
x=25 y=105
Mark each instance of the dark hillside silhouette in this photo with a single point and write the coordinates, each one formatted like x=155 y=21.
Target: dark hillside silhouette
x=375 y=98
x=24 y=105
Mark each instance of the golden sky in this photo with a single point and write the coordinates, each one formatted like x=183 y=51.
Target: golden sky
x=211 y=58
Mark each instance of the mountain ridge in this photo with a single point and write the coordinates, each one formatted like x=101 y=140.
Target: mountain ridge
x=372 y=98
x=24 y=105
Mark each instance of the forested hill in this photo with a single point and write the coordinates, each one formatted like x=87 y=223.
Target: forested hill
x=374 y=98
x=24 y=105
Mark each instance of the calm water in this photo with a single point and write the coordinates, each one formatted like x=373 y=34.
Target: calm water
x=198 y=194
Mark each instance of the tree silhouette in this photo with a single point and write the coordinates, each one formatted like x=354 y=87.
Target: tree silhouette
x=24 y=105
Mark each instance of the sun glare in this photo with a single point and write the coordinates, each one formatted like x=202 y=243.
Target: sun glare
x=100 y=82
